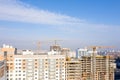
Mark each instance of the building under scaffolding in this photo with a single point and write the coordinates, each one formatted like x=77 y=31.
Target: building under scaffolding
x=104 y=68
x=73 y=70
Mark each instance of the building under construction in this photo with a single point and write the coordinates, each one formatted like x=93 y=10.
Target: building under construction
x=103 y=68
x=92 y=67
x=83 y=69
x=73 y=70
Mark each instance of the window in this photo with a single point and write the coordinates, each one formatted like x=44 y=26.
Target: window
x=10 y=56
x=23 y=67
x=5 y=53
x=23 y=63
x=11 y=63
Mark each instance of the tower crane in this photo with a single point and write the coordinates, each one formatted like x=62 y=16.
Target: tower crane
x=93 y=57
x=39 y=45
x=40 y=42
x=55 y=41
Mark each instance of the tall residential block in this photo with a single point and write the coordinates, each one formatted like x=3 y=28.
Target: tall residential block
x=28 y=66
x=83 y=52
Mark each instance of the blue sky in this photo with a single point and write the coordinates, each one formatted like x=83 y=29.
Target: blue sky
x=77 y=23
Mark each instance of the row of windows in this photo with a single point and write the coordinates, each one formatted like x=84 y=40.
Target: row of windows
x=37 y=63
x=35 y=74
x=17 y=75
x=16 y=79
x=39 y=59
x=35 y=78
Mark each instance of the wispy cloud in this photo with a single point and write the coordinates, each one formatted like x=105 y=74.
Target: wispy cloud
x=14 y=10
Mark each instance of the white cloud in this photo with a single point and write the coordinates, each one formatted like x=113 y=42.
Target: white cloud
x=14 y=10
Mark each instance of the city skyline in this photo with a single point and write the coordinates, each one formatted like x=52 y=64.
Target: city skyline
x=78 y=23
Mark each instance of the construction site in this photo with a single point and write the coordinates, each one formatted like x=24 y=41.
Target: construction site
x=57 y=64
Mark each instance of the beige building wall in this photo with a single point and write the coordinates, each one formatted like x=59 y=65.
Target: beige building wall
x=2 y=68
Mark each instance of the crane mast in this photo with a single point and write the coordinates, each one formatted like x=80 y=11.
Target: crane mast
x=93 y=62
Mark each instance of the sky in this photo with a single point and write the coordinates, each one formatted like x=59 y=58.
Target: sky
x=74 y=23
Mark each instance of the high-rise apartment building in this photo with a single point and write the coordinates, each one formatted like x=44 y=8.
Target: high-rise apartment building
x=83 y=52
x=27 y=66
